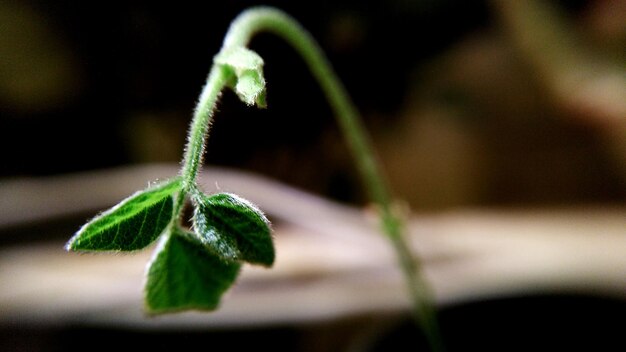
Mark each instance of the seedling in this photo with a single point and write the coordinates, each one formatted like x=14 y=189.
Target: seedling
x=192 y=268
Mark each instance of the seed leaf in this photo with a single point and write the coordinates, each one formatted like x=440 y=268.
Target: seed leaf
x=233 y=228
x=185 y=275
x=133 y=224
x=247 y=67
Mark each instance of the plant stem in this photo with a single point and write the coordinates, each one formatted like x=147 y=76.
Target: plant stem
x=271 y=20
x=199 y=130
x=264 y=19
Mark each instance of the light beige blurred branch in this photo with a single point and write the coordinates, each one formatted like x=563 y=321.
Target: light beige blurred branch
x=331 y=262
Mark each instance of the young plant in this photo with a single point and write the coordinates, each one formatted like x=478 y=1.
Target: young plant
x=191 y=269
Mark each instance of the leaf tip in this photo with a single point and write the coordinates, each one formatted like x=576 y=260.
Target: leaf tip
x=69 y=246
x=74 y=243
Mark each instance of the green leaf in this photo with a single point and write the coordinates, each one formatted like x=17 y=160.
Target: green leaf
x=233 y=228
x=185 y=275
x=132 y=224
x=247 y=67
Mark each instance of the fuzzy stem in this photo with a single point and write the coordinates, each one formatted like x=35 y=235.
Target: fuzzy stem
x=265 y=19
x=241 y=31
x=199 y=130
x=201 y=124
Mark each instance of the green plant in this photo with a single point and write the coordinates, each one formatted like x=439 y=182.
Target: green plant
x=191 y=269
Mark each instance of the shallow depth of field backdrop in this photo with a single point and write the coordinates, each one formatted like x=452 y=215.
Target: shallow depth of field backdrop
x=461 y=110
x=471 y=104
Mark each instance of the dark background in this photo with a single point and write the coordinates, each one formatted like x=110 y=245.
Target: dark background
x=135 y=70
x=88 y=85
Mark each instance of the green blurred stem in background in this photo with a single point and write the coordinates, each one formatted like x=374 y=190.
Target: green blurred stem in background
x=241 y=31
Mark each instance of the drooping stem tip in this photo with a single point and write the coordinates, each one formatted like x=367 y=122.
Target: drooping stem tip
x=267 y=19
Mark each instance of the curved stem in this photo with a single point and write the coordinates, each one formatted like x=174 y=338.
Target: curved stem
x=264 y=19
x=200 y=126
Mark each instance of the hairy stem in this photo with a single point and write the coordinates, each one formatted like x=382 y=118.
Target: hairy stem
x=265 y=19
x=201 y=124
x=198 y=132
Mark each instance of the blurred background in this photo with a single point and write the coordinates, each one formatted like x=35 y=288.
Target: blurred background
x=470 y=104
